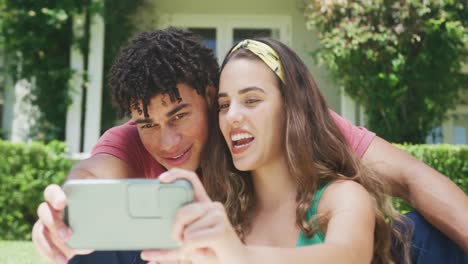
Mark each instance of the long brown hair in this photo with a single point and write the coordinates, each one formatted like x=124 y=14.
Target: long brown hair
x=316 y=153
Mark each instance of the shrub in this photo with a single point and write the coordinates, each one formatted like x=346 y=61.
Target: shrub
x=25 y=170
x=450 y=160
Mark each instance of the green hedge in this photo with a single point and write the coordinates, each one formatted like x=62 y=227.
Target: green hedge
x=25 y=170
x=450 y=160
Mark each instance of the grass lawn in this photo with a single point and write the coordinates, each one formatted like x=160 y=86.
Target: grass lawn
x=19 y=252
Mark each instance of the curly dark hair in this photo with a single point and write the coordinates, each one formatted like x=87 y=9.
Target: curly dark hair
x=154 y=63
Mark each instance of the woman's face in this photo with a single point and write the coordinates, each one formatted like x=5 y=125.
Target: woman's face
x=251 y=114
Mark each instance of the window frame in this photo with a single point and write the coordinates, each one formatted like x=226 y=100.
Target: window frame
x=225 y=25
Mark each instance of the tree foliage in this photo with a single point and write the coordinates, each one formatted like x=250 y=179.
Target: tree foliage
x=37 y=37
x=402 y=60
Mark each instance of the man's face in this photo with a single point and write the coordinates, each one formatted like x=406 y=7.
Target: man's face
x=175 y=132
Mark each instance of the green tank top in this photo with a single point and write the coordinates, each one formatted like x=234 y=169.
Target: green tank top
x=319 y=236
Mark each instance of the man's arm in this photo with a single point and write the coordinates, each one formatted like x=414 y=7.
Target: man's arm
x=101 y=166
x=438 y=199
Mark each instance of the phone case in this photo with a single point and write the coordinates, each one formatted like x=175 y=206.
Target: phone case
x=130 y=214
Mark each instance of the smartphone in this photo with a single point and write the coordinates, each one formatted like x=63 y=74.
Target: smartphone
x=127 y=214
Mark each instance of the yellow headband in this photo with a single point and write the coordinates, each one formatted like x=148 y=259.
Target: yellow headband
x=264 y=52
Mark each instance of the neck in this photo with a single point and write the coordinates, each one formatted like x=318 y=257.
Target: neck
x=274 y=185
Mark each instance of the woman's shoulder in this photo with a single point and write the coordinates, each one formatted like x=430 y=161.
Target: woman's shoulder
x=344 y=194
x=345 y=185
x=350 y=213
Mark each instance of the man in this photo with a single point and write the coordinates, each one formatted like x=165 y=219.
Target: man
x=164 y=80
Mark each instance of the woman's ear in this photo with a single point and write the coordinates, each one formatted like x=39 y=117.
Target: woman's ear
x=210 y=95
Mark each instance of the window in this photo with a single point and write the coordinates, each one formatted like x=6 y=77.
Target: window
x=459 y=135
x=460 y=129
x=435 y=136
x=208 y=36
x=221 y=32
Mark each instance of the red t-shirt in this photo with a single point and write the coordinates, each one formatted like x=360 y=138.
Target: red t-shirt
x=124 y=143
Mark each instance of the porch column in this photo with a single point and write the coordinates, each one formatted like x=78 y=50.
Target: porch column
x=25 y=114
x=8 y=97
x=94 y=90
x=73 y=123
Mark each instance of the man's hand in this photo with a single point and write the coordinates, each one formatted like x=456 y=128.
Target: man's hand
x=50 y=232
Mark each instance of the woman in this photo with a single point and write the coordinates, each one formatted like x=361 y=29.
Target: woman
x=286 y=182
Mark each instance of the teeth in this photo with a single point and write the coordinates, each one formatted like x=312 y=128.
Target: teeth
x=240 y=136
x=178 y=156
x=243 y=145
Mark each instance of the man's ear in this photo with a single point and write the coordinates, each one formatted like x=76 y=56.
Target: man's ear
x=210 y=95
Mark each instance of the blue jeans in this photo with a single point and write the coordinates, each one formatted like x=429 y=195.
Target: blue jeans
x=428 y=246
x=109 y=257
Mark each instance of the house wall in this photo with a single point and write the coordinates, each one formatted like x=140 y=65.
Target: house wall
x=302 y=41
x=455 y=128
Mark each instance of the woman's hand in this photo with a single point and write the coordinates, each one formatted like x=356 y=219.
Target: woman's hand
x=202 y=228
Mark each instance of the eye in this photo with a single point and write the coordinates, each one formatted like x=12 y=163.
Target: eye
x=180 y=116
x=223 y=106
x=148 y=125
x=251 y=101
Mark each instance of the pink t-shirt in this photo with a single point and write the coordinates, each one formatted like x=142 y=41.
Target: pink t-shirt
x=124 y=143
x=358 y=138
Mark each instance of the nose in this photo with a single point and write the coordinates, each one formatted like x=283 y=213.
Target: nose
x=234 y=116
x=170 y=139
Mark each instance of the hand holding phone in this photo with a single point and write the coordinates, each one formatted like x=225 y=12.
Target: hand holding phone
x=130 y=214
x=50 y=232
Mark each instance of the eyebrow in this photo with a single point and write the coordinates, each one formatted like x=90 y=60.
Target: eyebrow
x=243 y=91
x=143 y=121
x=177 y=109
x=168 y=114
